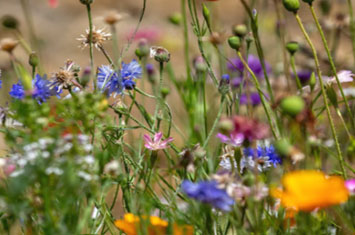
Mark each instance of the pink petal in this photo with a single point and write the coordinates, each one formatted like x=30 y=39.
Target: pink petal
x=53 y=3
x=157 y=137
x=147 y=139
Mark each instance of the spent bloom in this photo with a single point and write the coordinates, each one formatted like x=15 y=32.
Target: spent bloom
x=99 y=36
x=208 y=192
x=65 y=77
x=307 y=190
x=156 y=143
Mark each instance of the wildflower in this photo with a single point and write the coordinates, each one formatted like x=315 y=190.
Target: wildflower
x=307 y=190
x=8 y=44
x=350 y=185
x=304 y=76
x=130 y=224
x=98 y=38
x=254 y=99
x=182 y=229
x=17 y=91
x=109 y=81
x=156 y=143
x=208 y=192
x=131 y=71
x=254 y=64
x=160 y=54
x=250 y=129
x=234 y=140
x=65 y=78
x=344 y=76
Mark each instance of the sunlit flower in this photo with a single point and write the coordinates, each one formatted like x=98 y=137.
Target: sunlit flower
x=307 y=190
x=156 y=143
x=98 y=38
x=130 y=224
x=350 y=185
x=233 y=139
x=208 y=192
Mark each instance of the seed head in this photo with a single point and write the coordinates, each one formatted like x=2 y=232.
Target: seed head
x=8 y=44
x=98 y=38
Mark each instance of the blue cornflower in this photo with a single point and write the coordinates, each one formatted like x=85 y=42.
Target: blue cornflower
x=17 y=91
x=132 y=70
x=0 y=81
x=271 y=154
x=42 y=90
x=208 y=192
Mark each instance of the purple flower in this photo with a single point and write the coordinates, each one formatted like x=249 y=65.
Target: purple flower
x=156 y=143
x=254 y=99
x=350 y=185
x=236 y=82
x=132 y=70
x=254 y=64
x=208 y=192
x=17 y=91
x=304 y=76
x=233 y=139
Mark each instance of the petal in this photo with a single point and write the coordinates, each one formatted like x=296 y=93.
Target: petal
x=157 y=137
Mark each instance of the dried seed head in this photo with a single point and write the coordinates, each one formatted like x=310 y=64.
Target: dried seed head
x=65 y=77
x=113 y=18
x=98 y=38
x=8 y=44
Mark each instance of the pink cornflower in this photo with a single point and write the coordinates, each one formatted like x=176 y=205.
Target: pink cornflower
x=249 y=129
x=53 y=3
x=350 y=185
x=156 y=143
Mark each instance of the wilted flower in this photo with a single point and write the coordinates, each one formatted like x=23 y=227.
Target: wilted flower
x=98 y=38
x=307 y=190
x=160 y=54
x=8 y=44
x=208 y=192
x=113 y=18
x=156 y=143
x=350 y=185
x=65 y=78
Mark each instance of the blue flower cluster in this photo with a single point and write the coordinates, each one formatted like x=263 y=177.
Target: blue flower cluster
x=208 y=192
x=269 y=154
x=114 y=82
x=42 y=89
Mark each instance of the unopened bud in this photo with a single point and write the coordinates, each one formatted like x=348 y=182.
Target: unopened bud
x=292 y=105
x=234 y=42
x=292 y=47
x=175 y=18
x=240 y=30
x=86 y=2
x=291 y=5
x=33 y=59
x=10 y=22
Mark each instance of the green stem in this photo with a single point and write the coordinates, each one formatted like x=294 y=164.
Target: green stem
x=352 y=25
x=325 y=100
x=332 y=65
x=261 y=94
x=259 y=49
x=115 y=43
x=293 y=65
x=158 y=95
x=186 y=39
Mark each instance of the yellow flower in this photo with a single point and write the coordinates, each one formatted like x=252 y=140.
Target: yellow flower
x=309 y=189
x=130 y=224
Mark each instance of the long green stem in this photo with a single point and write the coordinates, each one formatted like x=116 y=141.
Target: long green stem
x=352 y=26
x=325 y=100
x=186 y=39
x=332 y=65
x=158 y=94
x=259 y=49
x=261 y=94
x=293 y=65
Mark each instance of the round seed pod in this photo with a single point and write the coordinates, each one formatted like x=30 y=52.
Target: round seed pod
x=291 y=5
x=292 y=105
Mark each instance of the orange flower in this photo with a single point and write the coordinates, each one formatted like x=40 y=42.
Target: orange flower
x=130 y=224
x=309 y=189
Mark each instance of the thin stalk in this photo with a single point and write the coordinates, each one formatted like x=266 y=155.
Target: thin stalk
x=325 y=100
x=352 y=26
x=293 y=65
x=186 y=39
x=332 y=65
x=261 y=94
x=158 y=95
x=114 y=43
x=259 y=49
x=102 y=49
x=88 y=8
x=215 y=124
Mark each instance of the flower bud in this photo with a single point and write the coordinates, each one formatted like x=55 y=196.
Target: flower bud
x=199 y=64
x=9 y=22
x=226 y=126
x=308 y=1
x=291 y=5
x=292 y=105
x=86 y=2
x=143 y=49
x=283 y=147
x=175 y=18
x=33 y=59
x=234 y=42
x=240 y=30
x=206 y=14
x=292 y=47
x=325 y=6
x=8 y=44
x=312 y=81
x=164 y=91
x=160 y=54
x=113 y=18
